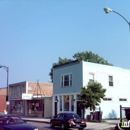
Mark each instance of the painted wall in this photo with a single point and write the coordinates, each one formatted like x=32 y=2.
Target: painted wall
x=80 y=73
x=16 y=90
x=120 y=89
x=75 y=70
x=48 y=107
x=3 y=105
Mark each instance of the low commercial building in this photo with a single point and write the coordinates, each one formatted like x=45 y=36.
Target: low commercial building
x=31 y=99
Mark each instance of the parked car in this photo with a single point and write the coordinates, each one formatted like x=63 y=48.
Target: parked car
x=68 y=120
x=14 y=122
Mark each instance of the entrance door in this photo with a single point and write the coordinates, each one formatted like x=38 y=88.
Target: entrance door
x=78 y=108
x=55 y=108
x=43 y=108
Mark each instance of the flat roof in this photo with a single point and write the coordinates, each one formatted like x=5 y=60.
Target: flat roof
x=67 y=63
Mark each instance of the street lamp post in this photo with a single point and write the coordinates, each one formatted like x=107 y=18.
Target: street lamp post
x=7 y=95
x=107 y=10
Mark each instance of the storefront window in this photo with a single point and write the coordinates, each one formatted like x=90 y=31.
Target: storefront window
x=17 y=107
x=72 y=102
x=60 y=103
x=23 y=89
x=34 y=105
x=20 y=90
x=66 y=103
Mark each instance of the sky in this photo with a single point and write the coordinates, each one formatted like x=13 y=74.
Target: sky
x=35 y=33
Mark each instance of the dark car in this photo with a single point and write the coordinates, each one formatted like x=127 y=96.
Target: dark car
x=68 y=120
x=14 y=122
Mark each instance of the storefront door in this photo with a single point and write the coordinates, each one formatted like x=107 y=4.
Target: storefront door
x=43 y=110
x=78 y=108
x=55 y=108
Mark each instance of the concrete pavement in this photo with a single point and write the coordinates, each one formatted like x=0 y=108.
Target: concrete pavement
x=37 y=119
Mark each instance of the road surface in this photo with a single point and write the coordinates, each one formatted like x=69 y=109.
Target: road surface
x=91 y=126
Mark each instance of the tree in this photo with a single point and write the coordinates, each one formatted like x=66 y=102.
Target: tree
x=91 y=95
x=90 y=57
x=85 y=56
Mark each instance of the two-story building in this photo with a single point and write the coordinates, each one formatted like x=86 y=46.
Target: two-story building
x=70 y=77
x=31 y=99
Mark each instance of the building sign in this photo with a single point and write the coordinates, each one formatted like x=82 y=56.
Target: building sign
x=14 y=98
x=27 y=96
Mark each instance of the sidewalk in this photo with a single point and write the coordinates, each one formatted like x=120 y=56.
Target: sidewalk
x=37 y=119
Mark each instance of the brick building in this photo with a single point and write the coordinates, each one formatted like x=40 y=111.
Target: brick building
x=3 y=92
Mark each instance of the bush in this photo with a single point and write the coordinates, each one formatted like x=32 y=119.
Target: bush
x=112 y=115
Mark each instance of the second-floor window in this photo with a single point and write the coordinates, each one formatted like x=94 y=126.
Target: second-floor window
x=91 y=77
x=107 y=99
x=23 y=89
x=122 y=99
x=66 y=80
x=110 y=80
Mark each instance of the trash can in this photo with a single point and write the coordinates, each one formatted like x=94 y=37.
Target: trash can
x=127 y=113
x=88 y=117
x=100 y=116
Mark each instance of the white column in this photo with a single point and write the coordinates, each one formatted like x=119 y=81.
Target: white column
x=75 y=104
x=70 y=98
x=62 y=103
x=26 y=87
x=53 y=108
x=25 y=108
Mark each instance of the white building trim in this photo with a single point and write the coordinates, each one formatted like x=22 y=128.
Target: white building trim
x=70 y=103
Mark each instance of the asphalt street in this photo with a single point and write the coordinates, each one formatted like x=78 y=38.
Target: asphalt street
x=45 y=126
x=91 y=126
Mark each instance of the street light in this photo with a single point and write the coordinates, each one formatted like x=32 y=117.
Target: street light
x=107 y=10
x=7 y=96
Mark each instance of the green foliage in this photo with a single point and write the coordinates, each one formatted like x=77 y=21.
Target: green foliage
x=91 y=95
x=90 y=57
x=111 y=115
x=85 y=56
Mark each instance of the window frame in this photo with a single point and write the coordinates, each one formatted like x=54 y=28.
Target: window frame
x=62 y=82
x=66 y=103
x=110 y=83
x=107 y=99
x=123 y=99
x=91 y=80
